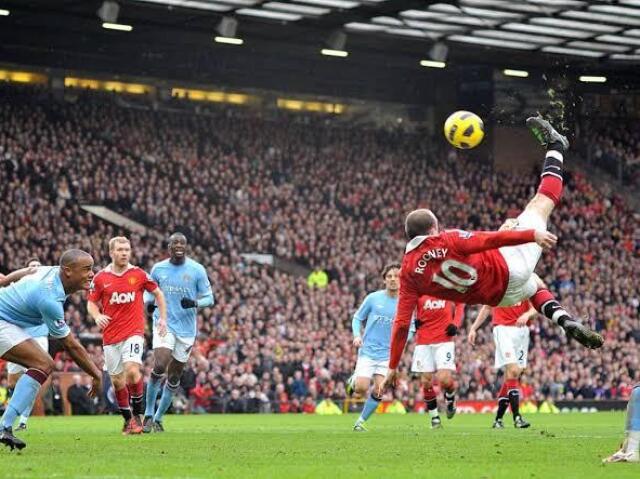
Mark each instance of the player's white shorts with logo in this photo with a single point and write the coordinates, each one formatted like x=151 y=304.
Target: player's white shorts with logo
x=10 y=336
x=128 y=351
x=180 y=346
x=521 y=261
x=512 y=345
x=428 y=358
x=13 y=368
x=367 y=367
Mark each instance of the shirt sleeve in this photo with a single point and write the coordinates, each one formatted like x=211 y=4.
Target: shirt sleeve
x=469 y=242
x=204 y=291
x=363 y=311
x=53 y=316
x=95 y=290
x=149 y=284
x=407 y=302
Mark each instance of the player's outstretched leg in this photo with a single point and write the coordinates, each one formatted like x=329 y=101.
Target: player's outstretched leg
x=546 y=304
x=630 y=450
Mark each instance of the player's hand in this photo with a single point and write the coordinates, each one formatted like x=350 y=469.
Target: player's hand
x=357 y=342
x=96 y=388
x=389 y=382
x=162 y=327
x=102 y=320
x=522 y=321
x=471 y=337
x=452 y=330
x=545 y=239
x=151 y=307
x=187 y=303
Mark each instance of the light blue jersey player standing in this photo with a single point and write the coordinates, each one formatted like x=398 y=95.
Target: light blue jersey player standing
x=378 y=311
x=35 y=300
x=186 y=287
x=39 y=333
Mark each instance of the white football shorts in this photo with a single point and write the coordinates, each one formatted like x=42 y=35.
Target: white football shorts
x=512 y=345
x=128 y=351
x=180 y=346
x=367 y=367
x=521 y=261
x=428 y=358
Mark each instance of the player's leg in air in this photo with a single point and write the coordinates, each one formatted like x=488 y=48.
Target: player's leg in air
x=367 y=371
x=439 y=359
x=123 y=361
x=523 y=259
x=630 y=450
x=18 y=347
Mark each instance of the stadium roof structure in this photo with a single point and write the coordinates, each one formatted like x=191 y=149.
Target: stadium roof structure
x=282 y=40
x=603 y=30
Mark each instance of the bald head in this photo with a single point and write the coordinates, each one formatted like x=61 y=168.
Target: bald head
x=419 y=223
x=72 y=256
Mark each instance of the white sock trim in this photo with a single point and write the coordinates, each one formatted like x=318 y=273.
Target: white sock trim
x=555 y=316
x=554 y=154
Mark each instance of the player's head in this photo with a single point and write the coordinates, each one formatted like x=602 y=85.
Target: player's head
x=391 y=276
x=33 y=263
x=120 y=251
x=76 y=270
x=177 y=247
x=420 y=223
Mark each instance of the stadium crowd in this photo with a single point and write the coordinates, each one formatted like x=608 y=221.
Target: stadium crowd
x=309 y=190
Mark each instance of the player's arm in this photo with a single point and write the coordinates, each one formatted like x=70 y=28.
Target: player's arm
x=484 y=313
x=162 y=309
x=205 y=297
x=407 y=302
x=16 y=276
x=93 y=308
x=467 y=243
x=453 y=328
x=53 y=315
x=93 y=303
x=360 y=317
x=84 y=361
x=522 y=321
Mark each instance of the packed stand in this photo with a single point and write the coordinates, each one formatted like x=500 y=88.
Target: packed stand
x=313 y=192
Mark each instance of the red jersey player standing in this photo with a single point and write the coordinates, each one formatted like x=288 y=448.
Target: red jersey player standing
x=494 y=268
x=437 y=322
x=115 y=303
x=511 y=338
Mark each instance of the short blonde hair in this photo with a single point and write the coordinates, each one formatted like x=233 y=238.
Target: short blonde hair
x=117 y=239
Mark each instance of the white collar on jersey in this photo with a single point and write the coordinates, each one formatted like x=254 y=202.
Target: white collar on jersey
x=414 y=243
x=109 y=269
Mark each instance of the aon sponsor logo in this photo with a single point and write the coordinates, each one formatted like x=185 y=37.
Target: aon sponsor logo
x=434 y=304
x=122 y=298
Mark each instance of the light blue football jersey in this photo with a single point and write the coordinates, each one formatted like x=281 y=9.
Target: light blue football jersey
x=36 y=302
x=186 y=280
x=378 y=310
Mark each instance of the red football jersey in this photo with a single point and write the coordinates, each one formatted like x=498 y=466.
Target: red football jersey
x=508 y=315
x=461 y=266
x=121 y=298
x=433 y=317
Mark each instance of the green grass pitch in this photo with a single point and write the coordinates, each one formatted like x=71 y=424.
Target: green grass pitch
x=253 y=446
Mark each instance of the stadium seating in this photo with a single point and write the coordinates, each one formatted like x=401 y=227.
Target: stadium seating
x=309 y=190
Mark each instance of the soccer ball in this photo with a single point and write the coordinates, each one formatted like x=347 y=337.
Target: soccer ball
x=464 y=129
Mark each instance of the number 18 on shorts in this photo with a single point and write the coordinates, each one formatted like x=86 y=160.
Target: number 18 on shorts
x=128 y=351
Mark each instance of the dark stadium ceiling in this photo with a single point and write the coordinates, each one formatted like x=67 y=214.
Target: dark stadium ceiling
x=573 y=30
x=385 y=40
x=609 y=29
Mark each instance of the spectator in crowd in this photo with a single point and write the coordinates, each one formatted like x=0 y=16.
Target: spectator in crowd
x=78 y=397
